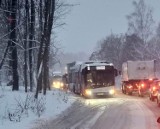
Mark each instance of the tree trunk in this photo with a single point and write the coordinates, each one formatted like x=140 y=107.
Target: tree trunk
x=46 y=69
x=31 y=42
x=43 y=56
x=51 y=8
x=25 y=47
x=13 y=46
x=40 y=54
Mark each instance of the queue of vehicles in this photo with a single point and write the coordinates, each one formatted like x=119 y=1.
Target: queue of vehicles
x=97 y=78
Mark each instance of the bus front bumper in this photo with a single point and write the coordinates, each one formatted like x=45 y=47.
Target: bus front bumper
x=91 y=93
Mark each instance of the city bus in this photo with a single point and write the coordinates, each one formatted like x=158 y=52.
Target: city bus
x=93 y=78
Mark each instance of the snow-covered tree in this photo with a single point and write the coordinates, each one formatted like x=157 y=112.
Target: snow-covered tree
x=140 y=22
x=110 y=49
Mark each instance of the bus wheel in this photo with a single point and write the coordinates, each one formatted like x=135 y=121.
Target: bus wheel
x=74 y=90
x=124 y=91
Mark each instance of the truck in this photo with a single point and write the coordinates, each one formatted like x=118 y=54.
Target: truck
x=137 y=76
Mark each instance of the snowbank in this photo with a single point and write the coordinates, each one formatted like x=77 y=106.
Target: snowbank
x=12 y=115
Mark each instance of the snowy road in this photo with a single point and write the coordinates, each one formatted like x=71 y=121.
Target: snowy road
x=120 y=112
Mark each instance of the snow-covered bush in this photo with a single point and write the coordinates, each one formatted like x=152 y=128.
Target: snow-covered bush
x=24 y=107
x=38 y=106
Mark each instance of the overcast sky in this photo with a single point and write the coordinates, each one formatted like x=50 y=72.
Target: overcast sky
x=92 y=20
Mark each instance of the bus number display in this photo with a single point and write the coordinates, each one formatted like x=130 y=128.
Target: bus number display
x=100 y=67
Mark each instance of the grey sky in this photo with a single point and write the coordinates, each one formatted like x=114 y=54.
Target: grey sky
x=92 y=20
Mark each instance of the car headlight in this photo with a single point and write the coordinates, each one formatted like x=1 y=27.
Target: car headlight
x=111 y=91
x=88 y=92
x=56 y=84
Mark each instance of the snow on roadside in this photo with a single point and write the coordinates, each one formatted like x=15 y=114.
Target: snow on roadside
x=54 y=102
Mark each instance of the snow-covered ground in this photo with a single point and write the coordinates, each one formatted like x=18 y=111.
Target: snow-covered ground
x=19 y=110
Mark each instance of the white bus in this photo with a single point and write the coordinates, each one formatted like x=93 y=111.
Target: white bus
x=93 y=78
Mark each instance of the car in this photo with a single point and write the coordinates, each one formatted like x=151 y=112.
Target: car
x=57 y=82
x=154 y=87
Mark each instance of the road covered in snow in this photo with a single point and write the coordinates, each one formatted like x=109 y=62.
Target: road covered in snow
x=119 y=112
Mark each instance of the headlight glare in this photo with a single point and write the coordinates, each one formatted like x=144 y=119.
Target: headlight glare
x=62 y=84
x=111 y=91
x=88 y=92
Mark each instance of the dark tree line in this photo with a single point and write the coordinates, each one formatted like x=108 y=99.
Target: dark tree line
x=120 y=48
x=138 y=43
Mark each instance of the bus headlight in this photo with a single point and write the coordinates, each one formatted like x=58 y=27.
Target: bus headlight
x=111 y=92
x=88 y=92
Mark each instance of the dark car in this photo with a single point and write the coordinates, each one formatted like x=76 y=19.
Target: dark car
x=154 y=87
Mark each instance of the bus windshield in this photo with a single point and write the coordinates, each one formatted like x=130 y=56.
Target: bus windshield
x=100 y=78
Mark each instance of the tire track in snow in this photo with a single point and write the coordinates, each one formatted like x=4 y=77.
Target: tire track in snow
x=89 y=122
x=142 y=117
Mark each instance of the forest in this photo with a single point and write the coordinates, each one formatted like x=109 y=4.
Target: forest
x=27 y=41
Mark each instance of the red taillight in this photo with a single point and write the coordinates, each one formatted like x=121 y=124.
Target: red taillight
x=154 y=88
x=142 y=85
x=150 y=79
x=130 y=87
